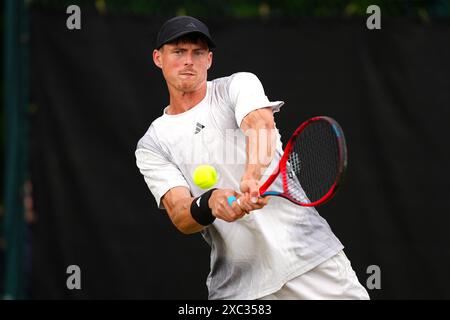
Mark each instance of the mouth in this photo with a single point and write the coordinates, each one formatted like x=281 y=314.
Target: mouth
x=187 y=74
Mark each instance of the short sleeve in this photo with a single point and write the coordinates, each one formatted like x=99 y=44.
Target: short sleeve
x=160 y=174
x=246 y=94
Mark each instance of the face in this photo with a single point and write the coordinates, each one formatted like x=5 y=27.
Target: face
x=184 y=65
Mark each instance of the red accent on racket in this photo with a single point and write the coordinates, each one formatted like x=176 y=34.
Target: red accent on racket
x=313 y=163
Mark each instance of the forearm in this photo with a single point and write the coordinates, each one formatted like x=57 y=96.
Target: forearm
x=259 y=129
x=183 y=219
x=191 y=217
x=177 y=202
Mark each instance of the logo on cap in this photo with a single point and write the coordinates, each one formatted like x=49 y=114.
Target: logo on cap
x=192 y=25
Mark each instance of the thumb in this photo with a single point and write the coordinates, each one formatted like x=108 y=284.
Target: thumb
x=238 y=197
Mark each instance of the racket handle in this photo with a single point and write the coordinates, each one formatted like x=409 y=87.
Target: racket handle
x=232 y=199
x=270 y=193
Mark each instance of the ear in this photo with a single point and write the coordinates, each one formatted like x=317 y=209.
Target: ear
x=157 y=58
x=210 y=58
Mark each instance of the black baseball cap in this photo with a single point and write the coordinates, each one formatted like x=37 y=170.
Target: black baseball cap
x=180 y=26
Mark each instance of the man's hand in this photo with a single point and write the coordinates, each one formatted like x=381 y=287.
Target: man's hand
x=218 y=202
x=250 y=199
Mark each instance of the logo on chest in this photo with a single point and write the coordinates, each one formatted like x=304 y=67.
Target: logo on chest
x=198 y=127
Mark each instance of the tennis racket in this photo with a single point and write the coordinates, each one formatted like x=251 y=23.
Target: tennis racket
x=313 y=164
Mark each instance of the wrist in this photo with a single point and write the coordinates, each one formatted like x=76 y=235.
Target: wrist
x=253 y=172
x=210 y=198
x=200 y=209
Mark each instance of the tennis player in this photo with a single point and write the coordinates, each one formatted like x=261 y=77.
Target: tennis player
x=260 y=248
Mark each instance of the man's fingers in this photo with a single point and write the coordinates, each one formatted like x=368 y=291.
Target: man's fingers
x=237 y=205
x=254 y=193
x=230 y=205
x=263 y=200
x=245 y=205
x=234 y=211
x=248 y=205
x=251 y=187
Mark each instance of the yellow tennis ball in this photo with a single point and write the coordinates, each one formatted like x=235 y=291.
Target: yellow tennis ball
x=205 y=176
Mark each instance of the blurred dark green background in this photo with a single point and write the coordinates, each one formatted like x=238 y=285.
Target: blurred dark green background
x=266 y=8
x=424 y=11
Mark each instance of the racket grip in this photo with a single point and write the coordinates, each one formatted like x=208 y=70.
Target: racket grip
x=232 y=199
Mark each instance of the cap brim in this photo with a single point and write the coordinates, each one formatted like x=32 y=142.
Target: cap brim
x=211 y=44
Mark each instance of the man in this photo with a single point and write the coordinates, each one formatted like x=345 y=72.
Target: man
x=260 y=248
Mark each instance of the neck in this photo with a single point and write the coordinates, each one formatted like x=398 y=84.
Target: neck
x=183 y=101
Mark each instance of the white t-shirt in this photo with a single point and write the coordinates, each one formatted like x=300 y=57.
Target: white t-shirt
x=253 y=256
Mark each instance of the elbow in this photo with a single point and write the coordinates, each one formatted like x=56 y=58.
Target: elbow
x=259 y=119
x=269 y=124
x=181 y=217
x=186 y=227
x=185 y=230
x=266 y=122
x=180 y=225
x=262 y=124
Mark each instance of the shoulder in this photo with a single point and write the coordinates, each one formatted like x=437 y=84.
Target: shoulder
x=150 y=139
x=147 y=140
x=236 y=77
x=244 y=76
x=231 y=85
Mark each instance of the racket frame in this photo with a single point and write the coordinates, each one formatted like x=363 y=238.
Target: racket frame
x=281 y=168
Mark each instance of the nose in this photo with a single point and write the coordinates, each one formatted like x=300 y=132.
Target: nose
x=188 y=60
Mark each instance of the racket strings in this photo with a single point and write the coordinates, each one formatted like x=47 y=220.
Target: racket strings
x=313 y=163
x=294 y=187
